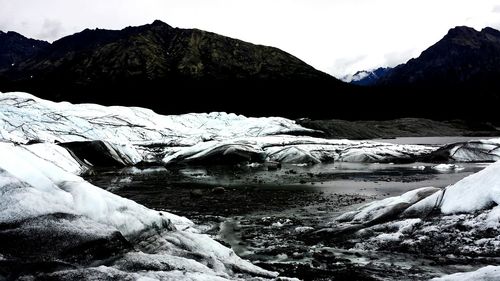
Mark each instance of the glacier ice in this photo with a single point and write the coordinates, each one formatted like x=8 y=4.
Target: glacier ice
x=131 y=135
x=465 y=213
x=44 y=201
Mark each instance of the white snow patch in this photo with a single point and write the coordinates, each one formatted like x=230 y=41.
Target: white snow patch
x=473 y=193
x=303 y=229
x=49 y=189
x=388 y=206
x=448 y=167
x=488 y=273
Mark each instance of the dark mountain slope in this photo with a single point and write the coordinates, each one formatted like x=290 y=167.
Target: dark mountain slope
x=463 y=58
x=458 y=77
x=15 y=48
x=193 y=70
x=405 y=127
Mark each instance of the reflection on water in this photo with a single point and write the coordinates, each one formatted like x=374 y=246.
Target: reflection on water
x=265 y=215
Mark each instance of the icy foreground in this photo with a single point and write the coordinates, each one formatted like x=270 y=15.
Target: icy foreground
x=58 y=223
x=461 y=221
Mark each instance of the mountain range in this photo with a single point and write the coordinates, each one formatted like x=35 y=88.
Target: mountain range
x=463 y=57
x=173 y=70
x=193 y=70
x=458 y=77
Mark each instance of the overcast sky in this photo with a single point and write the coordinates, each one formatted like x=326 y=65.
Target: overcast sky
x=336 y=36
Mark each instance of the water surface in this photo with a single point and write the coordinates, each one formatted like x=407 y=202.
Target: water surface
x=263 y=214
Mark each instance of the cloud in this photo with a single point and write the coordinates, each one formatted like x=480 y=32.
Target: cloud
x=346 y=65
x=496 y=9
x=51 y=30
x=395 y=58
x=4 y=25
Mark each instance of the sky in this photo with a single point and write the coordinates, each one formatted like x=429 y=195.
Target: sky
x=339 y=37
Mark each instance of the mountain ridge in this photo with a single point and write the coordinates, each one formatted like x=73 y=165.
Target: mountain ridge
x=202 y=70
x=173 y=70
x=455 y=78
x=463 y=57
x=15 y=48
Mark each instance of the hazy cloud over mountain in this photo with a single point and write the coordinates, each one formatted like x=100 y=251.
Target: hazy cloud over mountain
x=336 y=36
x=51 y=29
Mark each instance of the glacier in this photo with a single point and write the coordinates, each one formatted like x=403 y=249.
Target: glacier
x=83 y=230
x=49 y=215
x=130 y=135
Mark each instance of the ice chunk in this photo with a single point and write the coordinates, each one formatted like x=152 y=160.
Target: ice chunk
x=447 y=167
x=389 y=208
x=475 y=192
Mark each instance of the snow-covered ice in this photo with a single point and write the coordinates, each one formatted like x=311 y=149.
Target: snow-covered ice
x=383 y=210
x=138 y=134
x=42 y=194
x=476 y=192
x=24 y=117
x=488 y=273
x=447 y=167
x=135 y=134
x=460 y=220
x=470 y=151
x=473 y=193
x=298 y=149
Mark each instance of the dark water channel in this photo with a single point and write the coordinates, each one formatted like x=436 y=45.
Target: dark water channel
x=265 y=214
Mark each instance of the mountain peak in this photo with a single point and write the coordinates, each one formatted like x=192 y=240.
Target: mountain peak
x=367 y=77
x=461 y=31
x=160 y=23
x=491 y=31
x=464 y=56
x=11 y=34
